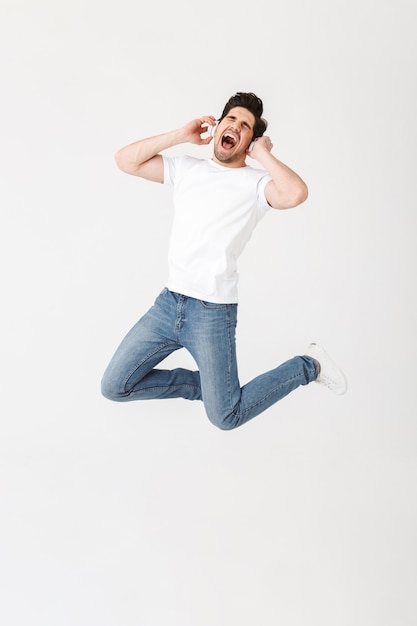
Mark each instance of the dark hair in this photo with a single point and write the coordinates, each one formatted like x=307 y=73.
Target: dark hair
x=253 y=104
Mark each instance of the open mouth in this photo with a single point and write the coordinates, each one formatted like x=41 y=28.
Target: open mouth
x=229 y=140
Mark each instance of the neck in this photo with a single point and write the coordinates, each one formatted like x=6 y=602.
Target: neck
x=237 y=163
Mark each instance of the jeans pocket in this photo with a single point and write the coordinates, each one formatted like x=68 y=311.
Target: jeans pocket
x=212 y=305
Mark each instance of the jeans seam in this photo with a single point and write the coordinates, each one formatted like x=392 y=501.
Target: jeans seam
x=166 y=387
x=230 y=358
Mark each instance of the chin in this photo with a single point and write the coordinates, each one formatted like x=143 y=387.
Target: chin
x=224 y=157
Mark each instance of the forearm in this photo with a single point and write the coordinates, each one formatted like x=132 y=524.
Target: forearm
x=137 y=158
x=133 y=155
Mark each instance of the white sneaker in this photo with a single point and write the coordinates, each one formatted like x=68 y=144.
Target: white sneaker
x=331 y=376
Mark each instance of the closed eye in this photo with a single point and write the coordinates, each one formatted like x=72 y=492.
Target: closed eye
x=233 y=118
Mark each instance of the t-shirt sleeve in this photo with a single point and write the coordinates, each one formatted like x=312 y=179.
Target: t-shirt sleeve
x=170 y=168
x=263 y=205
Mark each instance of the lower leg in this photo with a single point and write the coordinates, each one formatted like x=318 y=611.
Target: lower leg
x=261 y=393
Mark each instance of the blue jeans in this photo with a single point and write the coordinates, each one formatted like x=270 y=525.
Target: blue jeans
x=207 y=331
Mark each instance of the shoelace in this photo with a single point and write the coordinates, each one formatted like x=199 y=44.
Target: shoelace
x=326 y=381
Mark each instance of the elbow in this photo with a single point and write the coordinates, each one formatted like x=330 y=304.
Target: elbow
x=290 y=198
x=124 y=163
x=299 y=196
x=119 y=160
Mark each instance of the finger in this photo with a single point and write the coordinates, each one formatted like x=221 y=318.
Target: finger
x=208 y=119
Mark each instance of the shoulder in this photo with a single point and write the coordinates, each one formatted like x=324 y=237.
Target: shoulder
x=184 y=160
x=175 y=167
x=256 y=173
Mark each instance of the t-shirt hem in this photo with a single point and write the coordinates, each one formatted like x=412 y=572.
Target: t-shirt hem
x=201 y=296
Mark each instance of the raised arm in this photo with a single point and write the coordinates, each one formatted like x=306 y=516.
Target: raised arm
x=286 y=189
x=142 y=158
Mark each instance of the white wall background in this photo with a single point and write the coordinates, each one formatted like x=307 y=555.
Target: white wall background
x=145 y=514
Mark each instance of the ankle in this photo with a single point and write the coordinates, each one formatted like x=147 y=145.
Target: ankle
x=318 y=366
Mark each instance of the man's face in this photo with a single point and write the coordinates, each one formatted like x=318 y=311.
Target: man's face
x=233 y=136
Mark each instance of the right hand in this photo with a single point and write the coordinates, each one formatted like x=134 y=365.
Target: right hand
x=194 y=129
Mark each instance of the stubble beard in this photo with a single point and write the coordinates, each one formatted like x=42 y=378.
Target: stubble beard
x=224 y=158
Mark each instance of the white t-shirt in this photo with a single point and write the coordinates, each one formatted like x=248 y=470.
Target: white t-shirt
x=216 y=209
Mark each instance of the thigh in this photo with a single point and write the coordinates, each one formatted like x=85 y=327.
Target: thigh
x=212 y=342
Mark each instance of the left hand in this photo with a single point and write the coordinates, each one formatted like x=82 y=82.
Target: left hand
x=261 y=143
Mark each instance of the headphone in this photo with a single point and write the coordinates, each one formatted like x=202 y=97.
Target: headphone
x=212 y=129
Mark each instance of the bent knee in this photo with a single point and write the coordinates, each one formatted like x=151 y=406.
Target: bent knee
x=110 y=391
x=227 y=421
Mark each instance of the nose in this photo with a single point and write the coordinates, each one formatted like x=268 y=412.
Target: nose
x=236 y=127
